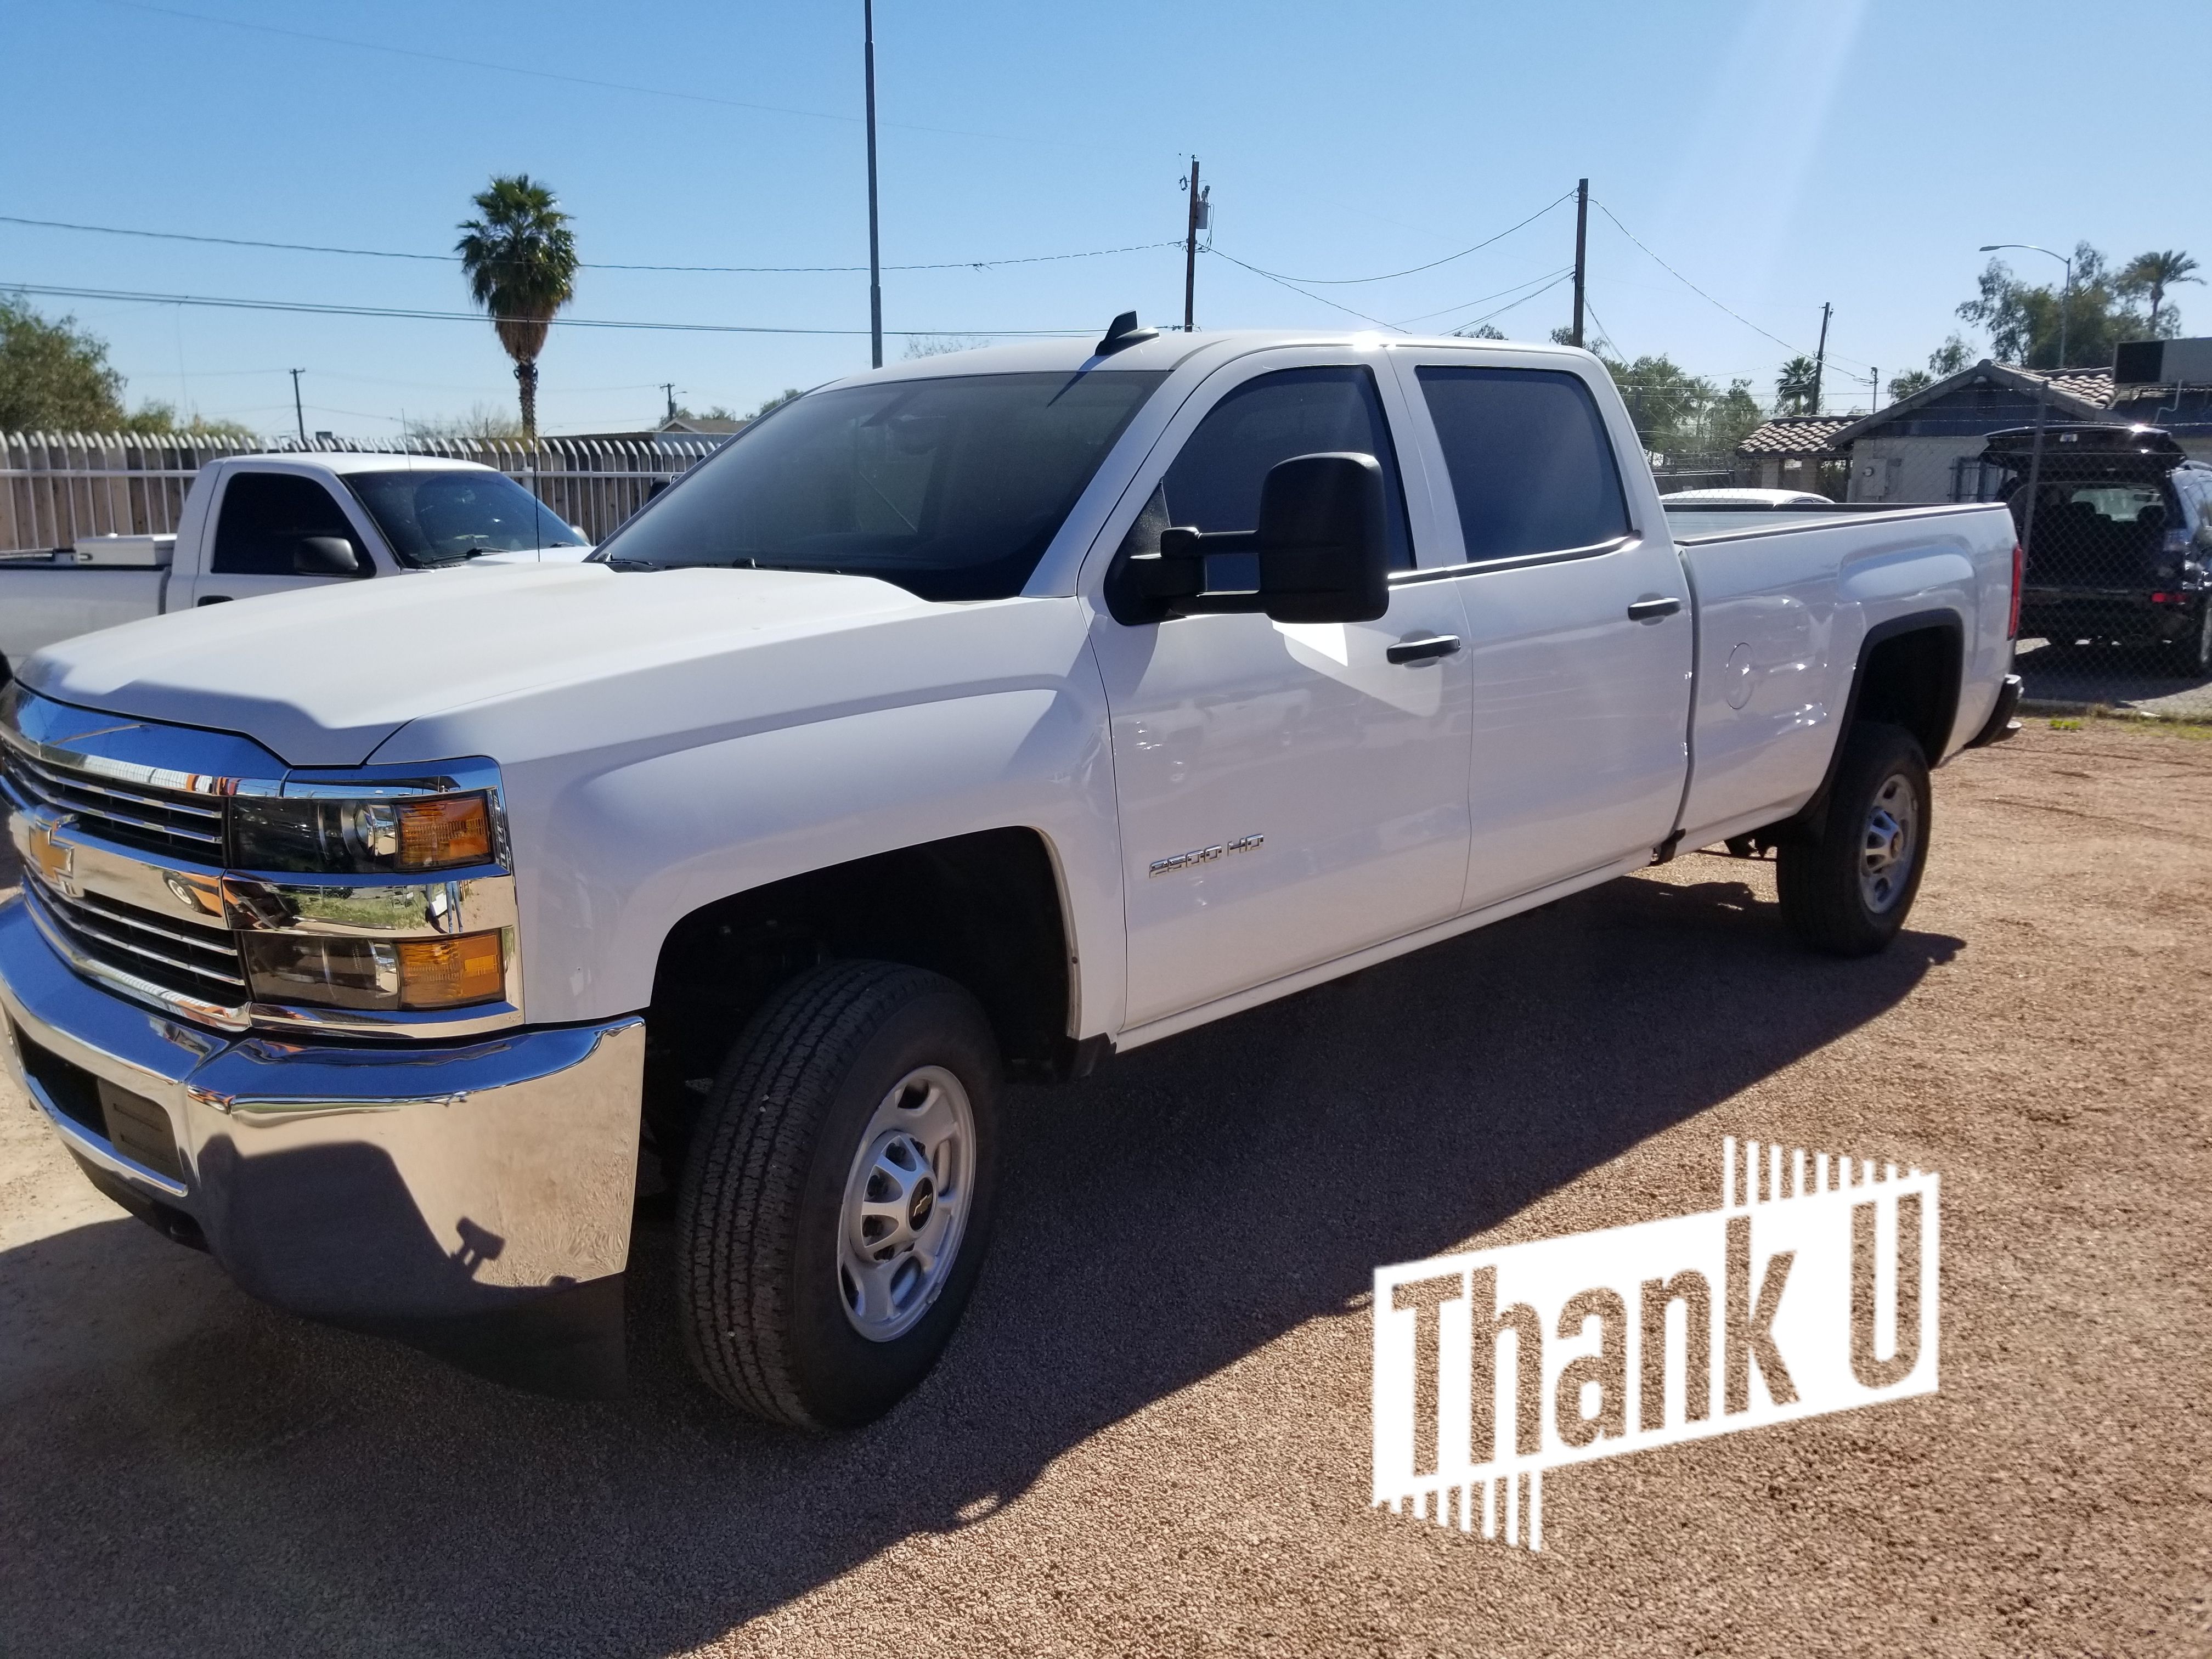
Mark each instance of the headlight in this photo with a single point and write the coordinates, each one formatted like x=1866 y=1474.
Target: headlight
x=377 y=973
x=361 y=837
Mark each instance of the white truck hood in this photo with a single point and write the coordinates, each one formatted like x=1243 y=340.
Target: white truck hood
x=323 y=676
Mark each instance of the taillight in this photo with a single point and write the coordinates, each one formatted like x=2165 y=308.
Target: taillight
x=2019 y=574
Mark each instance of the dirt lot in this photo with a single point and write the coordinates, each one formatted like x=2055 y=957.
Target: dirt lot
x=1151 y=1435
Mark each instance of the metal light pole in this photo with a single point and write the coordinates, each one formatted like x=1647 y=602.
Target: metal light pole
x=2043 y=401
x=875 y=245
x=298 y=413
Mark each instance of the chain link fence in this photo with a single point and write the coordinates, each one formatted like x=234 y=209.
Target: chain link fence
x=2116 y=526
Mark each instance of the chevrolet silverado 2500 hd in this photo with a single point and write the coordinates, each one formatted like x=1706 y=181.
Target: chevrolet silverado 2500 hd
x=269 y=524
x=979 y=715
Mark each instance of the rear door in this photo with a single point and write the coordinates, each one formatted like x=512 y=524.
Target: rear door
x=1579 y=628
x=259 y=520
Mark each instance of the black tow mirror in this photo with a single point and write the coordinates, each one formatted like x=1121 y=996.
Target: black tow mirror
x=1320 y=554
x=325 y=555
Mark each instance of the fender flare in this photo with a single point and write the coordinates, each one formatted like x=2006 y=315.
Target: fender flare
x=1807 y=818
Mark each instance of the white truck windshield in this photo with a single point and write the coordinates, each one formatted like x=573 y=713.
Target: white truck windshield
x=442 y=516
x=951 y=487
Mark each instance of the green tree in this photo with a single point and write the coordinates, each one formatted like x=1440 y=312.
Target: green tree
x=1680 y=413
x=2152 y=274
x=1904 y=385
x=54 y=376
x=2022 y=320
x=776 y=402
x=1793 y=387
x=520 y=258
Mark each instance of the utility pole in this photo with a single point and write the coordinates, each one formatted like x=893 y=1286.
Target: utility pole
x=298 y=413
x=1874 y=392
x=1820 y=357
x=669 y=387
x=875 y=246
x=1581 y=243
x=1190 y=255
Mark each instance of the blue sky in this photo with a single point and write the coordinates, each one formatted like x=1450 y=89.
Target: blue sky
x=1775 y=154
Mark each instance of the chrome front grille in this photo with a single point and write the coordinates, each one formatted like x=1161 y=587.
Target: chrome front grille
x=178 y=822
x=195 y=961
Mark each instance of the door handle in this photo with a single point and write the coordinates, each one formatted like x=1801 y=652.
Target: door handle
x=1436 y=645
x=1653 y=609
x=213 y=598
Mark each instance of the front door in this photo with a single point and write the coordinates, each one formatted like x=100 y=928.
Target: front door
x=1288 y=793
x=260 y=521
x=1579 y=628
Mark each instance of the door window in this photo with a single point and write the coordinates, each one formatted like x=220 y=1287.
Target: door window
x=1214 y=483
x=266 y=515
x=1530 y=463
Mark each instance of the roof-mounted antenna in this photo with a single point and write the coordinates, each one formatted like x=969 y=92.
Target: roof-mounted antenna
x=1124 y=333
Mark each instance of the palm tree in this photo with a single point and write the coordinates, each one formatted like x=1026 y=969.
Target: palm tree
x=1793 y=388
x=2155 y=273
x=521 y=261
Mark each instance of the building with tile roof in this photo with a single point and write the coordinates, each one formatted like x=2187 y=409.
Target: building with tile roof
x=1926 y=447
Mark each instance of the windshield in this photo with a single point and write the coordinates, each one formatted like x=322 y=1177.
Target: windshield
x=951 y=488
x=440 y=515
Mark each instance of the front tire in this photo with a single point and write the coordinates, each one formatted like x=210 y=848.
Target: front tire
x=836 y=1197
x=1848 y=890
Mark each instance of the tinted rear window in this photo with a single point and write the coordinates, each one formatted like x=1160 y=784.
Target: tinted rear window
x=1530 y=463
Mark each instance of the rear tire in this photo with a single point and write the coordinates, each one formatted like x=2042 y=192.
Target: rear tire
x=835 y=1200
x=1848 y=890
x=2195 y=649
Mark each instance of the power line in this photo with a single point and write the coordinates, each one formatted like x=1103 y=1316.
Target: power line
x=1465 y=305
x=1284 y=281
x=1699 y=292
x=1391 y=276
x=318 y=309
x=455 y=258
x=585 y=79
x=1476 y=322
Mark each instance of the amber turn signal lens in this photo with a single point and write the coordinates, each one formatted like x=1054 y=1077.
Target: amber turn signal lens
x=446 y=830
x=444 y=972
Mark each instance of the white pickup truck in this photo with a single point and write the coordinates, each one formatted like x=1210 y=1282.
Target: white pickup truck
x=269 y=524
x=978 y=716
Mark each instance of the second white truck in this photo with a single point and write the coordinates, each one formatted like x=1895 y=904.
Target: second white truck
x=977 y=717
x=256 y=525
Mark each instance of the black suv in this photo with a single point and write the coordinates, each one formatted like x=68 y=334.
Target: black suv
x=2122 y=548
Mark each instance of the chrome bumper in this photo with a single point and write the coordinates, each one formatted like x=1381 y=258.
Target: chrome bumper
x=473 y=1199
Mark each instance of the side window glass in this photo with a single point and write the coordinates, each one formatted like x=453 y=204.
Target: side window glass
x=1214 y=483
x=1530 y=464
x=264 y=518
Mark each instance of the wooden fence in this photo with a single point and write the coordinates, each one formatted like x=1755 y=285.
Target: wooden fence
x=55 y=487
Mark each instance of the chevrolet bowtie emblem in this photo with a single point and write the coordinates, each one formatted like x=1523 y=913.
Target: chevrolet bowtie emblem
x=52 y=860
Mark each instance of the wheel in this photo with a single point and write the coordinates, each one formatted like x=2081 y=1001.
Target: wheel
x=1848 y=891
x=2194 y=649
x=836 y=1196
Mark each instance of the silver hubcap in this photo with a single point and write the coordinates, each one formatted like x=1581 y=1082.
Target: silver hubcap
x=906 y=1203
x=1890 y=843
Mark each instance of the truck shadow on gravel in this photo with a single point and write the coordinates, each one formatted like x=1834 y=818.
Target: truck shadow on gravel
x=187 y=1471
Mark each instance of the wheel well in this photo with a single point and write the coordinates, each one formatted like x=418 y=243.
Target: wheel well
x=1910 y=678
x=983 y=910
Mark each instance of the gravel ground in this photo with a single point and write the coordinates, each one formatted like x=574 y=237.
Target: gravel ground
x=2130 y=681
x=1151 y=1437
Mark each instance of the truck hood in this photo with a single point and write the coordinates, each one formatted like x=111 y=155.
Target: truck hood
x=322 y=678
